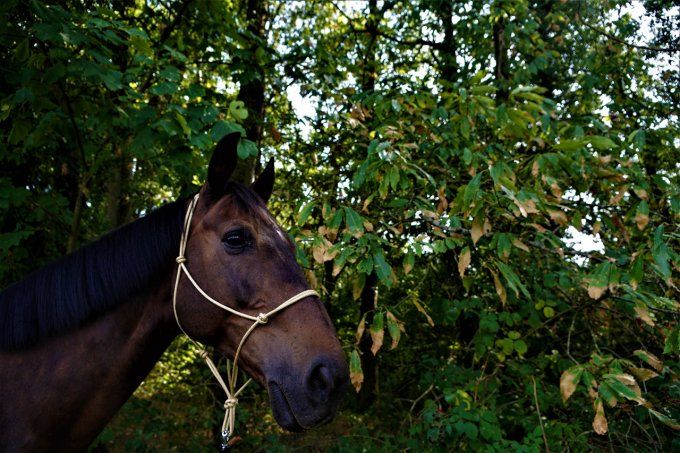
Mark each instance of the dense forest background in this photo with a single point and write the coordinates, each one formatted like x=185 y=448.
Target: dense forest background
x=485 y=193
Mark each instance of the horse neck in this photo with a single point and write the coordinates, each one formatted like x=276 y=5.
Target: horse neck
x=78 y=381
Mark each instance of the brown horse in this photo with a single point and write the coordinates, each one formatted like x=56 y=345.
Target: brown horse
x=78 y=336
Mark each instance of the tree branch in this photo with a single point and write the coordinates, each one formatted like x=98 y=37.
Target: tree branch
x=619 y=40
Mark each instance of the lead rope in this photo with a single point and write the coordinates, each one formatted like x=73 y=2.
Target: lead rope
x=229 y=387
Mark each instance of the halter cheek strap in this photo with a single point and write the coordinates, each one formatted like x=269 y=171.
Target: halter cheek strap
x=229 y=387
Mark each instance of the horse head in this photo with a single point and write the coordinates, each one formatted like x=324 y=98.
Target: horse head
x=239 y=255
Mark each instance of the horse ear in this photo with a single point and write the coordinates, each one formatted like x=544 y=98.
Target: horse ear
x=264 y=184
x=223 y=162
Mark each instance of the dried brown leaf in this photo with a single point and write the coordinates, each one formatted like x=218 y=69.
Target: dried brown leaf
x=600 y=421
x=464 y=261
x=643 y=374
x=650 y=359
x=377 y=337
x=558 y=216
x=641 y=220
x=643 y=314
x=595 y=292
x=500 y=289
x=422 y=310
x=640 y=192
x=520 y=245
x=568 y=382
x=361 y=328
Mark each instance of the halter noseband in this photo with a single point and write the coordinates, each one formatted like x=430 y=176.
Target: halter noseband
x=232 y=374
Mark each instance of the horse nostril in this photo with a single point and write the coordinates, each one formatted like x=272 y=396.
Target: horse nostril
x=320 y=384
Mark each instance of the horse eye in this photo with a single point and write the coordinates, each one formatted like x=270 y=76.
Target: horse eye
x=237 y=239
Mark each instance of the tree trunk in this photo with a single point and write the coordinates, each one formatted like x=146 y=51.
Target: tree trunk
x=449 y=68
x=117 y=201
x=75 y=226
x=500 y=52
x=369 y=363
x=252 y=87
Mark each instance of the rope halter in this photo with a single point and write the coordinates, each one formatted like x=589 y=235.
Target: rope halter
x=229 y=387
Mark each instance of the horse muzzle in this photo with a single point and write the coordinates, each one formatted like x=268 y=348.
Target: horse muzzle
x=311 y=399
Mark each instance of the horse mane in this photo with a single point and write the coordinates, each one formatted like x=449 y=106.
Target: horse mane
x=78 y=287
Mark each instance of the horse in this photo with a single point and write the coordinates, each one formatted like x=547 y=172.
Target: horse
x=79 y=335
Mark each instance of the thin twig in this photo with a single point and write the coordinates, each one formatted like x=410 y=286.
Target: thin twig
x=592 y=334
x=429 y=389
x=619 y=40
x=571 y=328
x=540 y=419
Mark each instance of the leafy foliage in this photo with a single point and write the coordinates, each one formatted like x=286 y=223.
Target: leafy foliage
x=456 y=154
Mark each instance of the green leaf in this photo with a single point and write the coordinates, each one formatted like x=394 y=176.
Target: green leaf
x=238 y=110
x=637 y=271
x=409 y=262
x=394 y=329
x=506 y=344
x=607 y=393
x=305 y=212
x=620 y=388
x=512 y=279
x=382 y=269
x=521 y=347
x=171 y=74
x=569 y=145
x=666 y=420
x=246 y=148
x=222 y=128
x=393 y=176
x=465 y=126
x=365 y=265
x=336 y=219
x=471 y=190
x=661 y=253
x=601 y=143
x=504 y=245
x=378 y=323
x=672 y=343
x=183 y=123
x=164 y=88
x=353 y=219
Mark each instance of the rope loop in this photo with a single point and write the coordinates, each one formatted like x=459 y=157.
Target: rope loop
x=230 y=402
x=203 y=353
x=262 y=318
x=180 y=259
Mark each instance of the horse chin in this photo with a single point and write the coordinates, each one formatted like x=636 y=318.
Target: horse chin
x=283 y=413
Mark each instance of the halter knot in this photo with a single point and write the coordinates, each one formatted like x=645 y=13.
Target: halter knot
x=230 y=402
x=180 y=259
x=262 y=318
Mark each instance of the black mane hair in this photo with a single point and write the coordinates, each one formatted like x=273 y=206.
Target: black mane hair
x=78 y=287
